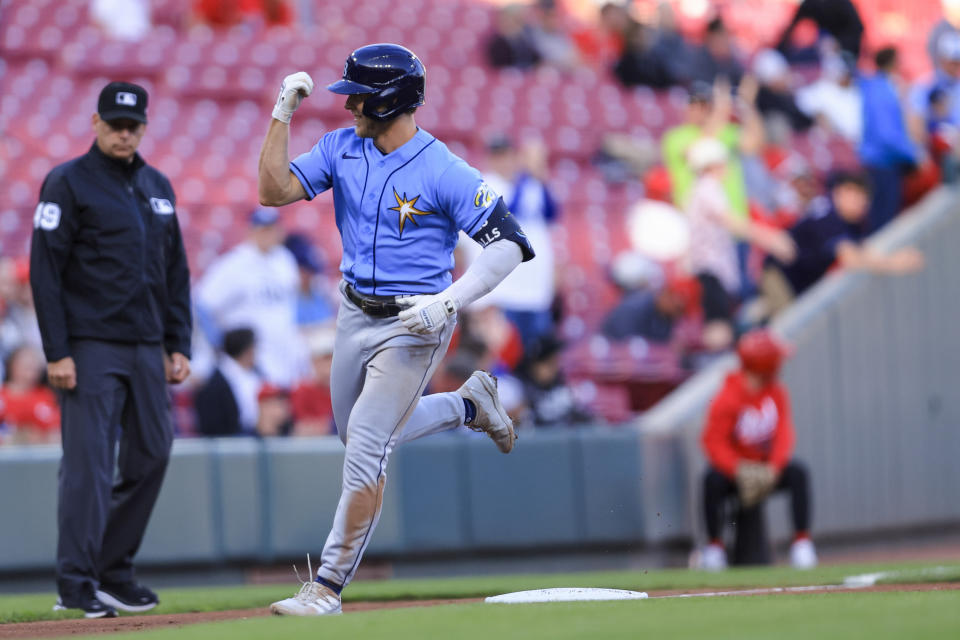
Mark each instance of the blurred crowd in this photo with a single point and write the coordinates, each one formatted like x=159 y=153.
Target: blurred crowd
x=29 y=413
x=130 y=20
x=733 y=226
x=751 y=223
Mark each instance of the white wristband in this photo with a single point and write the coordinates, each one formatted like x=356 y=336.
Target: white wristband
x=282 y=114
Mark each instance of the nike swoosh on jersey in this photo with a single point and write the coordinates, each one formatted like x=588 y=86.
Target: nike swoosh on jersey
x=347 y=156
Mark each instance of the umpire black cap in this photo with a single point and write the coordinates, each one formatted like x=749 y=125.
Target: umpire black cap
x=123 y=100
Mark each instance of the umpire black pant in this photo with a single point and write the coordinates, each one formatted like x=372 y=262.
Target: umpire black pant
x=121 y=391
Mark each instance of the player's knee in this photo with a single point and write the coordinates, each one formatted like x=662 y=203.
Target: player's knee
x=359 y=478
x=367 y=439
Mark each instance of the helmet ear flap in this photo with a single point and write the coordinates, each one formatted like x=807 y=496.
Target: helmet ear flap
x=382 y=105
x=391 y=102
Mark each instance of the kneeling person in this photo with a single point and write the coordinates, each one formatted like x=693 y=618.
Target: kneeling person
x=749 y=440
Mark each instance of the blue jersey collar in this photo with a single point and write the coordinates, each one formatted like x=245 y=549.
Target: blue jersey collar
x=402 y=153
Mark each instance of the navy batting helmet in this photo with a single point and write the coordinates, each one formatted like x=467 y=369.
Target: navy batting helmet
x=392 y=74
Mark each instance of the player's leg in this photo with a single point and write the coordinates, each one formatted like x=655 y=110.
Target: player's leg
x=346 y=369
x=433 y=414
x=796 y=480
x=347 y=374
x=395 y=378
x=145 y=445
x=89 y=415
x=395 y=375
x=442 y=411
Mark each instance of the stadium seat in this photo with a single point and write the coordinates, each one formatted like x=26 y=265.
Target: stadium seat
x=212 y=89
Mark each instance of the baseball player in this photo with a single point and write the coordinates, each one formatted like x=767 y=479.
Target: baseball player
x=400 y=198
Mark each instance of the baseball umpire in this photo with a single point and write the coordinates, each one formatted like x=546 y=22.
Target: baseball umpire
x=400 y=198
x=112 y=291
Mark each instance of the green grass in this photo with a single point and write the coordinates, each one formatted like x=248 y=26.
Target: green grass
x=922 y=574
x=23 y=608
x=845 y=615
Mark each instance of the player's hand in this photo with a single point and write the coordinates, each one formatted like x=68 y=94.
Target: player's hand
x=62 y=373
x=426 y=314
x=177 y=367
x=295 y=87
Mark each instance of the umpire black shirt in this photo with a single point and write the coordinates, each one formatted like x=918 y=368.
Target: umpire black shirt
x=107 y=259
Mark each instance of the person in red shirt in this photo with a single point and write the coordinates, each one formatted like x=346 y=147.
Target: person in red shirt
x=223 y=13
x=748 y=440
x=312 y=409
x=29 y=406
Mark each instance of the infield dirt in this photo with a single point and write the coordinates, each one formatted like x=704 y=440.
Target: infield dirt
x=131 y=623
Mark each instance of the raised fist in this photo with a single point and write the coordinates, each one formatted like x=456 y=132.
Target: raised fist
x=295 y=87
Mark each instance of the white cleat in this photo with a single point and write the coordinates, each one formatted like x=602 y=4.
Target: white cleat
x=313 y=599
x=803 y=555
x=713 y=558
x=481 y=389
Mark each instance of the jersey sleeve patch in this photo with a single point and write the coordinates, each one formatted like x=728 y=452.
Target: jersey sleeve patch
x=484 y=196
x=46 y=216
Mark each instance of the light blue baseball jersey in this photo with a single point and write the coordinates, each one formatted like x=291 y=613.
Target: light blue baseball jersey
x=398 y=214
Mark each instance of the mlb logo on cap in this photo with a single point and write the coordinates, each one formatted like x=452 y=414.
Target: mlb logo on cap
x=123 y=100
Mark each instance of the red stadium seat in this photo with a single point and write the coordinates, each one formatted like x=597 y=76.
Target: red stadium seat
x=212 y=90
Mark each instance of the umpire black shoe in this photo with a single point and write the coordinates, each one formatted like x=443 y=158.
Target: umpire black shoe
x=86 y=601
x=127 y=596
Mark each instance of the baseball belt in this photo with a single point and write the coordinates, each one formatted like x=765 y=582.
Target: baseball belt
x=376 y=306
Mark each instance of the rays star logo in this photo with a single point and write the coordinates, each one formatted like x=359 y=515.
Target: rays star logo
x=407 y=209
